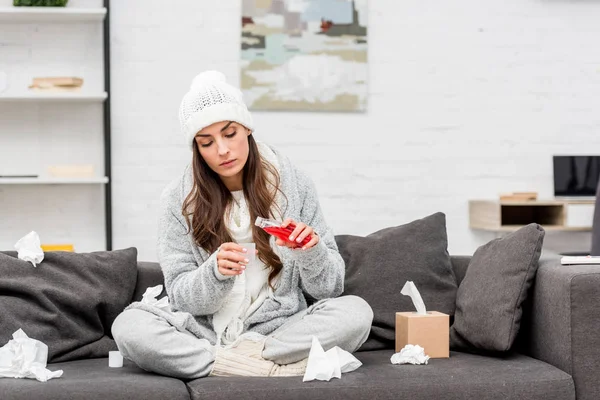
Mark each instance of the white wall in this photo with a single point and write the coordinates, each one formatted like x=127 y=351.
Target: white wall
x=466 y=100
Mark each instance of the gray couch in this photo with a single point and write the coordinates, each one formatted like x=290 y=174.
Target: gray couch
x=596 y=226
x=558 y=358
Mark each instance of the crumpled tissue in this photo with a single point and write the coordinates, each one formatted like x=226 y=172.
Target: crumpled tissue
x=324 y=365
x=410 y=354
x=149 y=297
x=409 y=289
x=23 y=357
x=29 y=248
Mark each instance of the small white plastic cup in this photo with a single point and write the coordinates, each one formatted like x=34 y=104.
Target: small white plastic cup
x=251 y=253
x=115 y=359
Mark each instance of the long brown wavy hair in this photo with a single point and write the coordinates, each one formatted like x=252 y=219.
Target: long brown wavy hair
x=206 y=205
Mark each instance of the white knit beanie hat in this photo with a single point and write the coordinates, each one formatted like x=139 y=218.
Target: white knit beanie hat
x=211 y=99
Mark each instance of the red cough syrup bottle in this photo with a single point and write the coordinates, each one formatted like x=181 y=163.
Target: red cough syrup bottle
x=274 y=228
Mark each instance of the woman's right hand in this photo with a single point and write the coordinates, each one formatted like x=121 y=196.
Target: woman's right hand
x=231 y=259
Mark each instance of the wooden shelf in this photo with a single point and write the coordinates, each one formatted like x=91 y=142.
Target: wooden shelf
x=552 y=215
x=512 y=228
x=53 y=181
x=51 y=14
x=56 y=97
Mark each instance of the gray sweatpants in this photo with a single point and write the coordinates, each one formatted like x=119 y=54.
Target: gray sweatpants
x=155 y=345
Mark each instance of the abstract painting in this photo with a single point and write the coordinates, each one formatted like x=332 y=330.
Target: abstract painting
x=308 y=55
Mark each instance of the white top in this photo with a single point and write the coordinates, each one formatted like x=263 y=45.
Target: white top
x=250 y=288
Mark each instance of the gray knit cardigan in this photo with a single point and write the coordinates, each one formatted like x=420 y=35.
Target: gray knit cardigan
x=197 y=290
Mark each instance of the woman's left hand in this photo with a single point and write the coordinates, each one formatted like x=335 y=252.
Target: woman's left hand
x=298 y=235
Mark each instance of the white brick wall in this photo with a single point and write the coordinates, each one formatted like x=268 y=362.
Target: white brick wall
x=466 y=100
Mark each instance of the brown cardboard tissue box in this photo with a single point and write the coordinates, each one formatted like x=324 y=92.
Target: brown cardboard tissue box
x=430 y=330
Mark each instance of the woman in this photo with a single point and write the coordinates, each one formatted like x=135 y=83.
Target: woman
x=229 y=316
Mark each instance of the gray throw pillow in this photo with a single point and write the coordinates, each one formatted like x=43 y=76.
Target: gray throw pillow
x=489 y=302
x=378 y=266
x=69 y=301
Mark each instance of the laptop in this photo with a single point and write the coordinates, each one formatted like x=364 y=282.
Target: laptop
x=576 y=176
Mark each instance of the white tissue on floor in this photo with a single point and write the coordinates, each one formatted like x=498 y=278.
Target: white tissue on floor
x=29 y=248
x=149 y=297
x=23 y=357
x=324 y=365
x=410 y=354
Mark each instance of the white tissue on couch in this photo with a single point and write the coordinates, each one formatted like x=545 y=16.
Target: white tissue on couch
x=324 y=365
x=410 y=354
x=29 y=248
x=149 y=297
x=23 y=357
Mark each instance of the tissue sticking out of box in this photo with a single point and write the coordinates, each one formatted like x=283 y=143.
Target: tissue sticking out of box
x=29 y=248
x=410 y=290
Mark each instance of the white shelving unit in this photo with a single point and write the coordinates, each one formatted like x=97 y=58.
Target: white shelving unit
x=46 y=14
x=56 y=96
x=52 y=181
x=61 y=196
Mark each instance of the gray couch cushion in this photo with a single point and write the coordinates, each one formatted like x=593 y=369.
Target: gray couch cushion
x=69 y=301
x=378 y=265
x=462 y=376
x=489 y=302
x=563 y=322
x=93 y=379
x=459 y=266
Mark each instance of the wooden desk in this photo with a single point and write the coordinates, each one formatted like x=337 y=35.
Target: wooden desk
x=553 y=215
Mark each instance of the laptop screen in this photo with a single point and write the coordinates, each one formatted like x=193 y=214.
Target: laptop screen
x=576 y=176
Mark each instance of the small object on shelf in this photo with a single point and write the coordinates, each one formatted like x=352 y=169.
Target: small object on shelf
x=58 y=247
x=71 y=171
x=57 y=84
x=568 y=260
x=519 y=196
x=40 y=3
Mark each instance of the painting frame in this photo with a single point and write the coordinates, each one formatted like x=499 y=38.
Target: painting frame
x=304 y=55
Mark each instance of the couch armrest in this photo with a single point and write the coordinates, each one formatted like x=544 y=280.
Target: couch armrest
x=149 y=274
x=564 y=328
